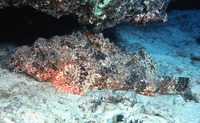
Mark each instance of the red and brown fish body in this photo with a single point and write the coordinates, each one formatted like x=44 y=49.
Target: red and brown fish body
x=81 y=61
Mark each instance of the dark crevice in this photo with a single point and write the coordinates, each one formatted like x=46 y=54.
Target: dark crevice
x=183 y=5
x=22 y=26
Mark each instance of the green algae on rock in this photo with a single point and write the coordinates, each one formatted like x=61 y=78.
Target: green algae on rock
x=100 y=14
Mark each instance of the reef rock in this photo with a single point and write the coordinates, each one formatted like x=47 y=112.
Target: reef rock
x=99 y=13
x=81 y=61
x=192 y=93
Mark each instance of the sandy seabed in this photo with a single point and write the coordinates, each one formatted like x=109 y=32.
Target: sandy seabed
x=173 y=45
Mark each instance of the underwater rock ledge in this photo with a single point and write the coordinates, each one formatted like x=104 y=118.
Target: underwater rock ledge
x=78 y=62
x=100 y=14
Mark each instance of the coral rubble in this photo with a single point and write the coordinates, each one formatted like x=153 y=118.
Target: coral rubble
x=81 y=61
x=99 y=13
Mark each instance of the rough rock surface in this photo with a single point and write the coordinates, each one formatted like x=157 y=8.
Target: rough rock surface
x=81 y=61
x=192 y=93
x=100 y=13
x=28 y=101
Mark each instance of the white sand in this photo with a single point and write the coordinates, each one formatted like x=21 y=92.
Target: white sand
x=172 y=44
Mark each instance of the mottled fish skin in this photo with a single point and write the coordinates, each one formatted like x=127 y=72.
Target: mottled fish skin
x=164 y=85
x=81 y=61
x=172 y=85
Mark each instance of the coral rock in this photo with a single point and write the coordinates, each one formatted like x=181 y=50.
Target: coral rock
x=81 y=61
x=99 y=13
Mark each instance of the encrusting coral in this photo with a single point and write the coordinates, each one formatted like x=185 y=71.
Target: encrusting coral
x=81 y=61
x=100 y=14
